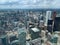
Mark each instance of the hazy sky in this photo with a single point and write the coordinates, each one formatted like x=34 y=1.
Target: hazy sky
x=29 y=4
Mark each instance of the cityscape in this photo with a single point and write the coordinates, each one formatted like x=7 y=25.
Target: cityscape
x=29 y=27
x=29 y=22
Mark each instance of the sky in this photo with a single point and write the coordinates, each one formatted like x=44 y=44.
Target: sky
x=29 y=4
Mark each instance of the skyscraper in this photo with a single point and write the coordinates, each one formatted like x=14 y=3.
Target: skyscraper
x=22 y=35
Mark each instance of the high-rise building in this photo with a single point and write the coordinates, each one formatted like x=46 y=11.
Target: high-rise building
x=4 y=40
x=22 y=36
